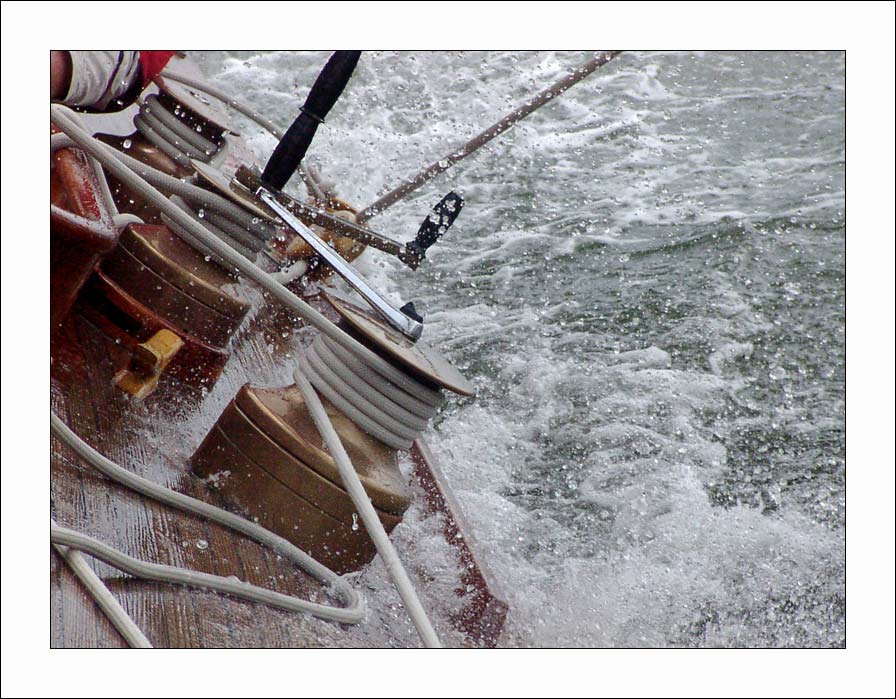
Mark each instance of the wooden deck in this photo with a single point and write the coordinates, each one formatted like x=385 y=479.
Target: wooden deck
x=155 y=439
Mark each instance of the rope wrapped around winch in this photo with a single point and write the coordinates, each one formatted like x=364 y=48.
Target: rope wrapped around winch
x=395 y=415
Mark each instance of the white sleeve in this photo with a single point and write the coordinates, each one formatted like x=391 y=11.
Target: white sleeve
x=98 y=77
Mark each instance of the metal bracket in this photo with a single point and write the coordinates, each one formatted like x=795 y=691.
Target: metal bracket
x=313 y=215
x=398 y=320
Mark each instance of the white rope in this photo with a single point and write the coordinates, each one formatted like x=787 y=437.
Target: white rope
x=294 y=271
x=387 y=397
x=352 y=613
x=368 y=515
x=171 y=135
x=158 y=140
x=122 y=220
x=157 y=112
x=101 y=594
x=193 y=578
x=357 y=416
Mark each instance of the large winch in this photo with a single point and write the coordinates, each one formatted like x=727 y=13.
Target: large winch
x=265 y=454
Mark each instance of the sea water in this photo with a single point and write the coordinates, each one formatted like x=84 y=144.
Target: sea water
x=646 y=287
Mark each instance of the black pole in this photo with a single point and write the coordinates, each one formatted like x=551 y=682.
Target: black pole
x=288 y=154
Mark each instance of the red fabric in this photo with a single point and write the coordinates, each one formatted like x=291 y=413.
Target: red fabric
x=152 y=63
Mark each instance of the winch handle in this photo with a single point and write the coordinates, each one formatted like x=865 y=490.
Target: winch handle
x=323 y=95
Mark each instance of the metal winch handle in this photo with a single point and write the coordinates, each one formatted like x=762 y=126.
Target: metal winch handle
x=409 y=327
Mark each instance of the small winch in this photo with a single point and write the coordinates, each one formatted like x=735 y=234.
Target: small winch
x=158 y=297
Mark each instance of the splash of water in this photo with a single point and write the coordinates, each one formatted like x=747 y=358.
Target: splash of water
x=646 y=286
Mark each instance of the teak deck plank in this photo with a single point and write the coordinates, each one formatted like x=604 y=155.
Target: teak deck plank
x=155 y=439
x=82 y=394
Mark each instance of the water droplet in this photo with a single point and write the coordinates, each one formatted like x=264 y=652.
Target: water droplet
x=354 y=521
x=201 y=544
x=127 y=144
x=777 y=373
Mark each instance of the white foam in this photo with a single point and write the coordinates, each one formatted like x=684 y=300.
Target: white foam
x=588 y=463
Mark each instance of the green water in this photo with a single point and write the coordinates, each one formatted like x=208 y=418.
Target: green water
x=647 y=288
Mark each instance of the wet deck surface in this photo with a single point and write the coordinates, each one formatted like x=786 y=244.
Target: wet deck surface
x=154 y=439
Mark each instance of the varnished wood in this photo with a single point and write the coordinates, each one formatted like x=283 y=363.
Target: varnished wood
x=83 y=395
x=81 y=230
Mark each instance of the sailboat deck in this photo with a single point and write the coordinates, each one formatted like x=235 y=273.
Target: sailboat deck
x=83 y=395
x=155 y=438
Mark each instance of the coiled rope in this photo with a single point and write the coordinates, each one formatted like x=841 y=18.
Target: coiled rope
x=197 y=235
x=394 y=413
x=251 y=114
x=171 y=134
